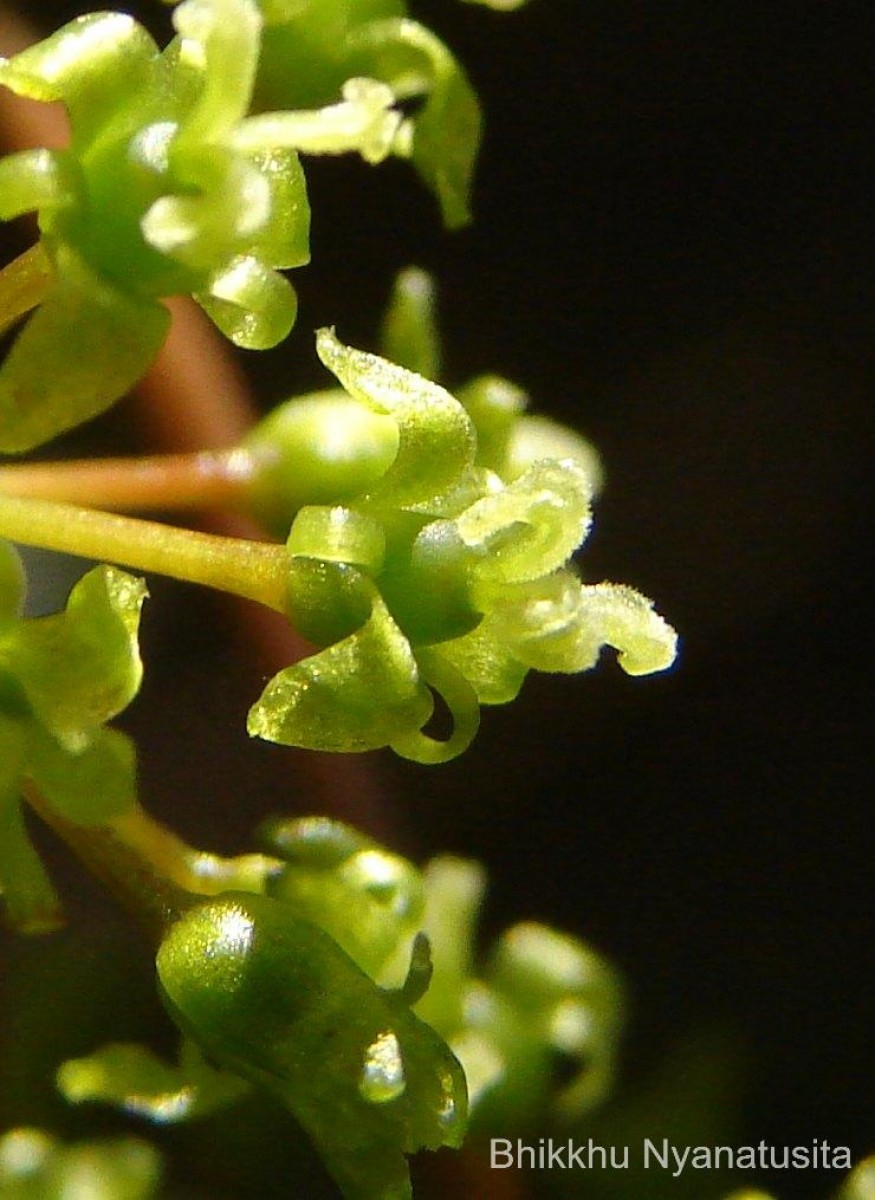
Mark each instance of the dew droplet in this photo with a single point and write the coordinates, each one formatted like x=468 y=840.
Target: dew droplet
x=382 y=1076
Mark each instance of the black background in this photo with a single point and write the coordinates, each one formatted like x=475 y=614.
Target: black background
x=673 y=250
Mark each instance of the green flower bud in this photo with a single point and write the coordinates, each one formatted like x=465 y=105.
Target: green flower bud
x=324 y=448
x=369 y=900
x=272 y=997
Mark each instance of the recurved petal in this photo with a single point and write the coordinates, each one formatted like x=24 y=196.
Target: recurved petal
x=253 y=305
x=436 y=435
x=359 y=694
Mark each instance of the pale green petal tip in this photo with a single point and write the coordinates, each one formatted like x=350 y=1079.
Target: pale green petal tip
x=253 y=306
x=532 y=526
x=437 y=438
x=626 y=620
x=131 y=1077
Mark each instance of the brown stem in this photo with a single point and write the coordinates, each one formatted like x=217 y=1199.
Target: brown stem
x=151 y=899
x=209 y=479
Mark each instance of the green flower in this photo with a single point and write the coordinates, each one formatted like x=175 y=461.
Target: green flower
x=448 y=572
x=163 y=190
x=352 y=990
x=312 y=46
x=62 y=677
x=543 y=1001
x=270 y=992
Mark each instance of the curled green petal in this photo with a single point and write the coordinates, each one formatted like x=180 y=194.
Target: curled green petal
x=410 y=335
x=85 y=346
x=495 y=674
x=359 y=694
x=221 y=39
x=253 y=306
x=131 y=1077
x=621 y=617
x=274 y=998
x=532 y=526
x=460 y=698
x=81 y=667
x=540 y=624
x=437 y=440
x=559 y=624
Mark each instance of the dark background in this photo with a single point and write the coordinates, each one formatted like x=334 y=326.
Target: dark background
x=673 y=250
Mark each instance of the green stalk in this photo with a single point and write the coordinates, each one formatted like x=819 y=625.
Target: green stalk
x=196 y=871
x=254 y=570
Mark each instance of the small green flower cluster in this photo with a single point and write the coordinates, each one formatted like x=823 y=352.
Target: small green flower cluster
x=170 y=184
x=268 y=996
x=62 y=677
x=436 y=561
x=160 y=192
x=544 y=998
x=324 y=991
